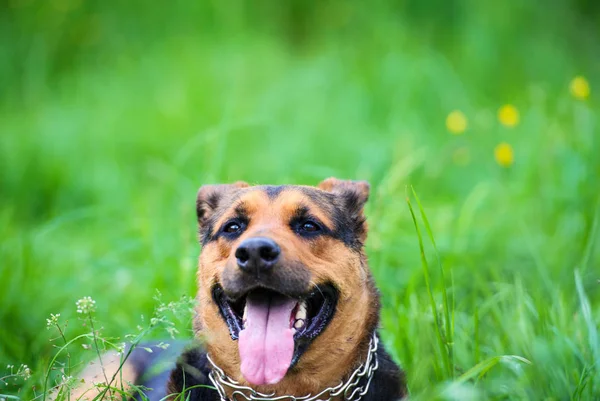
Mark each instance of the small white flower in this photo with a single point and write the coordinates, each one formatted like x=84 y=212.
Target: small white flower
x=121 y=348
x=26 y=372
x=66 y=380
x=53 y=321
x=86 y=305
x=172 y=331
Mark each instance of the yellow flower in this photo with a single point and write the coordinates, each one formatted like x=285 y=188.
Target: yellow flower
x=456 y=122
x=580 y=88
x=508 y=115
x=504 y=154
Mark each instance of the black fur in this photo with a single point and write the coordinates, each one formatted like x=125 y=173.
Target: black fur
x=153 y=368
x=273 y=191
x=191 y=376
x=389 y=382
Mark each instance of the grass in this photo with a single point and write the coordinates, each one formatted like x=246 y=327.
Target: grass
x=113 y=115
x=445 y=332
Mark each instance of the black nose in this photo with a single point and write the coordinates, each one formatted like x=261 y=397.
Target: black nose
x=257 y=255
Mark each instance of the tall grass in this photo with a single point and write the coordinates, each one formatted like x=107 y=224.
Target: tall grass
x=445 y=328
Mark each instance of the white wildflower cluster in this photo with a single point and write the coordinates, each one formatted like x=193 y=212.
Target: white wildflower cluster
x=53 y=321
x=66 y=381
x=121 y=348
x=86 y=305
x=172 y=330
x=23 y=371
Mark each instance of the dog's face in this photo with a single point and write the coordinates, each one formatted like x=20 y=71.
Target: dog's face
x=283 y=282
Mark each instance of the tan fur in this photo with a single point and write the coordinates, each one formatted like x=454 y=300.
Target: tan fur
x=337 y=350
x=94 y=374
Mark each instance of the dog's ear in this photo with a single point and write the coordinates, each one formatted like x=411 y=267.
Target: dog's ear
x=210 y=196
x=352 y=196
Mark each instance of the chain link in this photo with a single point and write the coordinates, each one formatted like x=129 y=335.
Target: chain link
x=349 y=390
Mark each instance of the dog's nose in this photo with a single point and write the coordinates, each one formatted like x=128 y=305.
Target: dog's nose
x=257 y=255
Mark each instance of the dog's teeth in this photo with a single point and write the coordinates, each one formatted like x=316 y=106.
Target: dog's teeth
x=301 y=313
x=299 y=324
x=245 y=312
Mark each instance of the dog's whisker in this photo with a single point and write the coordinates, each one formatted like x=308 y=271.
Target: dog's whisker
x=318 y=288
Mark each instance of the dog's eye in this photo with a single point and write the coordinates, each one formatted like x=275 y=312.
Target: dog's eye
x=232 y=227
x=310 y=227
x=307 y=227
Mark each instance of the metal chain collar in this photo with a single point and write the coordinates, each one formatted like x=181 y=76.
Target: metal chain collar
x=349 y=390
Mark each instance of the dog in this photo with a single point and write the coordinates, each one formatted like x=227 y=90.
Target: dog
x=286 y=306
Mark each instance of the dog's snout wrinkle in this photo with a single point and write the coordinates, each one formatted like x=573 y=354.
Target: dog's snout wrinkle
x=257 y=255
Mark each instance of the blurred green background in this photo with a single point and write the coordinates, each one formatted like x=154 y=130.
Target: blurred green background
x=112 y=114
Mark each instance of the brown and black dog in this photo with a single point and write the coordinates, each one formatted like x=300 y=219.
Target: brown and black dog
x=287 y=305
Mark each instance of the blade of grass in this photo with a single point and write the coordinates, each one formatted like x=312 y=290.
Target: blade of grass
x=584 y=380
x=591 y=240
x=425 y=266
x=482 y=368
x=448 y=322
x=53 y=361
x=477 y=350
x=586 y=312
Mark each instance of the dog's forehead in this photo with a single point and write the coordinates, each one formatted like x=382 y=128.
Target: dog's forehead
x=281 y=198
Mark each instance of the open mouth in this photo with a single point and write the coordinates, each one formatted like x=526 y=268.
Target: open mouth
x=274 y=330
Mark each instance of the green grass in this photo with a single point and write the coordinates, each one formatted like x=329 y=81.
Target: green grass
x=112 y=116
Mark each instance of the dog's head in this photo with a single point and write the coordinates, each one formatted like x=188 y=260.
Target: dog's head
x=283 y=281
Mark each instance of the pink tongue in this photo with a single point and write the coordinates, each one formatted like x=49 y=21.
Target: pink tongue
x=267 y=342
